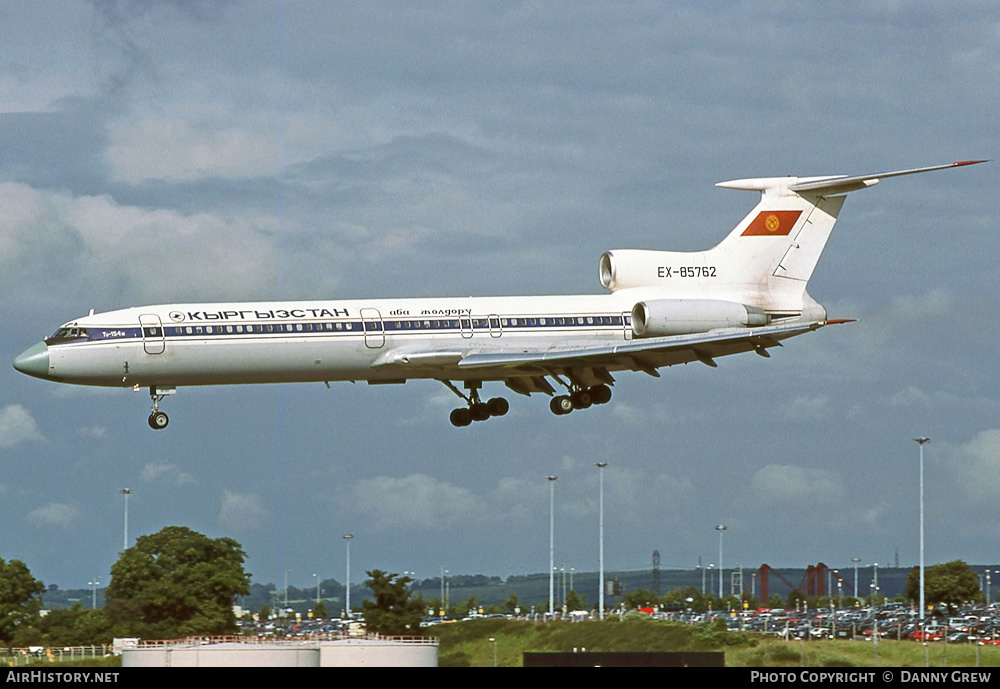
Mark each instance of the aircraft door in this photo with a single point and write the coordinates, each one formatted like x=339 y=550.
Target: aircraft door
x=371 y=321
x=496 y=329
x=153 y=341
x=465 y=323
x=627 y=324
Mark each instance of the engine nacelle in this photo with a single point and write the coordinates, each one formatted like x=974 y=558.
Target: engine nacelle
x=662 y=317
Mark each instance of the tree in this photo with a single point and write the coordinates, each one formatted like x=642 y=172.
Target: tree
x=469 y=607
x=320 y=612
x=74 y=626
x=393 y=612
x=952 y=583
x=641 y=598
x=511 y=605
x=176 y=583
x=574 y=601
x=19 y=598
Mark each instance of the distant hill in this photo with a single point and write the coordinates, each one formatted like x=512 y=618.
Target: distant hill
x=533 y=589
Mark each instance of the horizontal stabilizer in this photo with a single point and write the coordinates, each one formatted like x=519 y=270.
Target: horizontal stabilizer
x=842 y=185
x=830 y=185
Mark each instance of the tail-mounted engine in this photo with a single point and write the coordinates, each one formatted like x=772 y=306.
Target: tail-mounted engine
x=624 y=268
x=662 y=317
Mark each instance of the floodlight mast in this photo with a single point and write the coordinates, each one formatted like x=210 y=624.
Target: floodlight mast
x=720 y=528
x=600 y=558
x=552 y=541
x=347 y=588
x=126 y=492
x=922 y=441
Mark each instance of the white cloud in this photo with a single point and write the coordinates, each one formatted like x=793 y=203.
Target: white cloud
x=54 y=515
x=157 y=147
x=95 y=432
x=976 y=465
x=17 y=426
x=242 y=511
x=166 y=472
x=100 y=248
x=793 y=485
x=808 y=408
x=414 y=501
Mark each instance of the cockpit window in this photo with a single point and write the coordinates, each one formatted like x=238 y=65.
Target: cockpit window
x=67 y=334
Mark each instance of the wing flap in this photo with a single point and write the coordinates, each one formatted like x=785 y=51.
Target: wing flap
x=646 y=354
x=416 y=358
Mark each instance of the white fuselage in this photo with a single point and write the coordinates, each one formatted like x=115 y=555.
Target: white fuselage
x=275 y=342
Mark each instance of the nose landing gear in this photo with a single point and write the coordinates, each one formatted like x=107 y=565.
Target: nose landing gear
x=158 y=420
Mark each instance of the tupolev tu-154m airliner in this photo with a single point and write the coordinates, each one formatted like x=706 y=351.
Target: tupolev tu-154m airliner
x=663 y=308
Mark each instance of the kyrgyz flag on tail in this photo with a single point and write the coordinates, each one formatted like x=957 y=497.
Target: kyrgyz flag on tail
x=772 y=224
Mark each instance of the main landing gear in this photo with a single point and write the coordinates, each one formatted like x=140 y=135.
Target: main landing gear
x=580 y=398
x=477 y=409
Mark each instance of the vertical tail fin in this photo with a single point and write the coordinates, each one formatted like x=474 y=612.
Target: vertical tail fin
x=766 y=261
x=772 y=253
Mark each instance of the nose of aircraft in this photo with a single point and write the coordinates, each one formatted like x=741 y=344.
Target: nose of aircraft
x=34 y=361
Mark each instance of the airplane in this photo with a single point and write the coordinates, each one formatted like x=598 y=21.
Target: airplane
x=663 y=308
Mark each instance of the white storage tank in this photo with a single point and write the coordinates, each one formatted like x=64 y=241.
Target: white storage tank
x=370 y=651
x=228 y=654
x=376 y=652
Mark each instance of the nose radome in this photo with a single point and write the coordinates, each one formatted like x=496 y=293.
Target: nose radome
x=34 y=361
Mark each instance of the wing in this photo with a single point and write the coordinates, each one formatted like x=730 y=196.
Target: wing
x=524 y=370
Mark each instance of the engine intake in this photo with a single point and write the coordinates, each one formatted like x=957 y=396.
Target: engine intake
x=624 y=268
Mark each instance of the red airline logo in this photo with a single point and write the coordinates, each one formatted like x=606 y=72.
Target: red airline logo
x=772 y=224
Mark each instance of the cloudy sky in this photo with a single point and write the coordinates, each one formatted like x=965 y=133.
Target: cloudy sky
x=166 y=152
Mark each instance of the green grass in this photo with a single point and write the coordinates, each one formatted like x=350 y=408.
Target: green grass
x=467 y=644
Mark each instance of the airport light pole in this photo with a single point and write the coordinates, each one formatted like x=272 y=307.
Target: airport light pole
x=600 y=550
x=126 y=492
x=444 y=605
x=286 y=589
x=874 y=581
x=562 y=574
x=347 y=589
x=317 y=587
x=922 y=441
x=856 y=560
x=720 y=528
x=552 y=541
